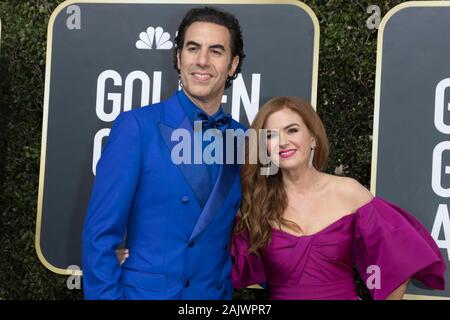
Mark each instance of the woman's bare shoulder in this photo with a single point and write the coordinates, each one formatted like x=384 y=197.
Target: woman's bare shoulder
x=351 y=191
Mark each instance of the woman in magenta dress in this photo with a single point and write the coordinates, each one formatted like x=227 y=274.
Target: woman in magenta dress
x=301 y=230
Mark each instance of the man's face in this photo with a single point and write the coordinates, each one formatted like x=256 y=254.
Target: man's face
x=205 y=61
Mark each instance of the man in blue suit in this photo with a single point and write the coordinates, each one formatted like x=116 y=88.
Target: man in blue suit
x=177 y=219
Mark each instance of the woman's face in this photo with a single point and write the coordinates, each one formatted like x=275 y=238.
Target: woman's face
x=289 y=145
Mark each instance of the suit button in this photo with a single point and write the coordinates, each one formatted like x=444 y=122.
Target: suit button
x=185 y=199
x=220 y=285
x=191 y=243
x=186 y=283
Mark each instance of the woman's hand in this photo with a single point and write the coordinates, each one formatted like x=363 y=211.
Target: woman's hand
x=122 y=255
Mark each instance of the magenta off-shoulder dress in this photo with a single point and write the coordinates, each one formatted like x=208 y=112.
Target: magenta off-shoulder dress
x=319 y=266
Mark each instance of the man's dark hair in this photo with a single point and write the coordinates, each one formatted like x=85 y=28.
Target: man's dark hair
x=213 y=15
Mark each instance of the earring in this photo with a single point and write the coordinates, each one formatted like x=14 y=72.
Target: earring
x=311 y=156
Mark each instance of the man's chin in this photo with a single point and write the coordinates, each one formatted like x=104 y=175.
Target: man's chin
x=199 y=94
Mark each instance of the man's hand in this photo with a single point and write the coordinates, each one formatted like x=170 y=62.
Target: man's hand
x=122 y=255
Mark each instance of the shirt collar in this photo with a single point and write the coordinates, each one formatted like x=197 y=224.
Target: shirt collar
x=191 y=109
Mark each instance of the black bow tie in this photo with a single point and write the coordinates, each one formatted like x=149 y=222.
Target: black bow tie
x=221 y=123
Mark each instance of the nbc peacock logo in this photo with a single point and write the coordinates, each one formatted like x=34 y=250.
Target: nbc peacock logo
x=154 y=38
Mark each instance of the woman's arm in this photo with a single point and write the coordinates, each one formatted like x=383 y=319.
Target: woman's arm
x=398 y=293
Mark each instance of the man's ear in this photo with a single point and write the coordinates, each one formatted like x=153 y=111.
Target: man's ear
x=178 y=59
x=233 y=66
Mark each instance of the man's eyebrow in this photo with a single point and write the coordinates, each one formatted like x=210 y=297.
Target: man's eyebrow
x=214 y=46
x=217 y=46
x=192 y=43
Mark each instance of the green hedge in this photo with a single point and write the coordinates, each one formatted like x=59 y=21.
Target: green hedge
x=345 y=102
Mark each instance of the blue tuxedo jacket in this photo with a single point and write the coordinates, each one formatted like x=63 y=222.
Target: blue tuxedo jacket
x=179 y=249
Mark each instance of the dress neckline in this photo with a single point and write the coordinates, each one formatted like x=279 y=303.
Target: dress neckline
x=316 y=233
x=343 y=218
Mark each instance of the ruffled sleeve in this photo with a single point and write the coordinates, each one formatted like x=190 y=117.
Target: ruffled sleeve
x=398 y=245
x=248 y=269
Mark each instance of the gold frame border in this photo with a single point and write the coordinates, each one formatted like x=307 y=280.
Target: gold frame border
x=66 y=3
x=373 y=182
